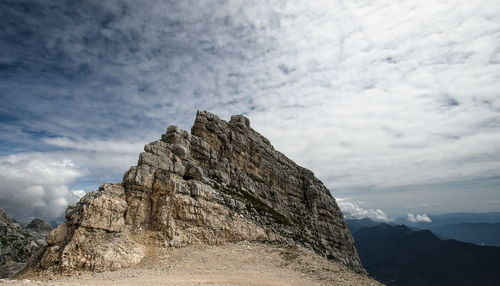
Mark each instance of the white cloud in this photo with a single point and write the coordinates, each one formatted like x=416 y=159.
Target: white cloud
x=79 y=193
x=418 y=218
x=367 y=94
x=400 y=95
x=352 y=209
x=98 y=156
x=97 y=145
x=36 y=185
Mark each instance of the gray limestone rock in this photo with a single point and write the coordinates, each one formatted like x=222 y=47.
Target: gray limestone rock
x=17 y=244
x=223 y=182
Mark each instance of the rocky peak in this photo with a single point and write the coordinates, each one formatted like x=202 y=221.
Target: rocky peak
x=4 y=218
x=17 y=244
x=39 y=229
x=38 y=225
x=223 y=182
x=240 y=119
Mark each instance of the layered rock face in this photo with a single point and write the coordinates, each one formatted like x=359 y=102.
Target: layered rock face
x=223 y=182
x=17 y=244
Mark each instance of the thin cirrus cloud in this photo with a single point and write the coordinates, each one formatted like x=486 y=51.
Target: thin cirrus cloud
x=113 y=156
x=373 y=96
x=110 y=146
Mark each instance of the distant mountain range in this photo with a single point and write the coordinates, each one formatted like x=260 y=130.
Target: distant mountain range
x=18 y=243
x=452 y=218
x=398 y=255
x=406 y=255
x=356 y=224
x=478 y=228
x=477 y=233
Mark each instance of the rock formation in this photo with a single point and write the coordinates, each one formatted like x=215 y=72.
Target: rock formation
x=17 y=244
x=39 y=230
x=223 y=182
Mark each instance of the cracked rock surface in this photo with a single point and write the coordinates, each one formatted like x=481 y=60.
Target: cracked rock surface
x=18 y=243
x=222 y=182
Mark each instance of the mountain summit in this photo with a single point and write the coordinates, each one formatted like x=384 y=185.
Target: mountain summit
x=223 y=182
x=18 y=243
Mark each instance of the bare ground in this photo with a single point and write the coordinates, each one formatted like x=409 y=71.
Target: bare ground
x=231 y=264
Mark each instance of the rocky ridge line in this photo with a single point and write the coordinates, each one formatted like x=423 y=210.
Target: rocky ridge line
x=18 y=243
x=223 y=182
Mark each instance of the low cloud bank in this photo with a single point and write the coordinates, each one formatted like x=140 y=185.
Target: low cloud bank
x=34 y=185
x=352 y=209
x=418 y=218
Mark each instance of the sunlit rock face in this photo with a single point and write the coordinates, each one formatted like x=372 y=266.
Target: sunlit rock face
x=223 y=182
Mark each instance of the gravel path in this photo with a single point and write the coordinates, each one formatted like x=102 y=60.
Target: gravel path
x=230 y=264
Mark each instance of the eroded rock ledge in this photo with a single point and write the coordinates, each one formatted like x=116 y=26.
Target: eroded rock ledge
x=223 y=182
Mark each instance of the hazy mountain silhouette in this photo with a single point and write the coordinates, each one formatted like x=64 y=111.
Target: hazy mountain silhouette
x=439 y=220
x=398 y=255
x=477 y=233
x=356 y=224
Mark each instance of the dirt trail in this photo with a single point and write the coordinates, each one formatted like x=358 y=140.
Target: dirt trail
x=231 y=264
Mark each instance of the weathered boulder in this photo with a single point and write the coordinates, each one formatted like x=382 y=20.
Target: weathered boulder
x=223 y=182
x=94 y=236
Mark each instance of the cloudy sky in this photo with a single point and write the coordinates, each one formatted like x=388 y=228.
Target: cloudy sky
x=395 y=105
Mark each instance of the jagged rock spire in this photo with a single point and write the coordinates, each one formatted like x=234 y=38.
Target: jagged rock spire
x=222 y=182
